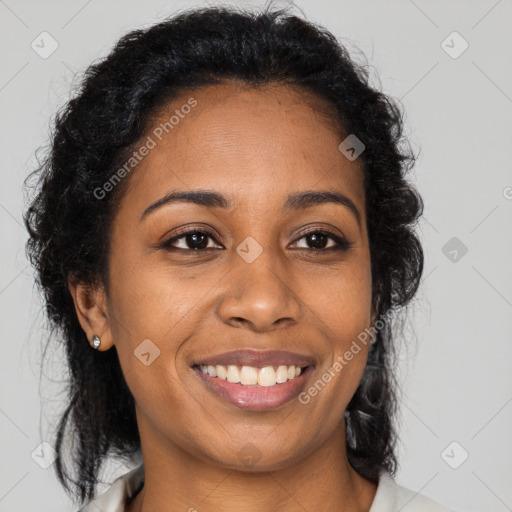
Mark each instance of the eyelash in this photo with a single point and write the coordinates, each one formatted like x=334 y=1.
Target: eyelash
x=342 y=244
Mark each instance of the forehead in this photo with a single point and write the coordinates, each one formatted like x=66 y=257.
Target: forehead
x=253 y=143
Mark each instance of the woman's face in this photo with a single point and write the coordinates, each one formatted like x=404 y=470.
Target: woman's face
x=255 y=283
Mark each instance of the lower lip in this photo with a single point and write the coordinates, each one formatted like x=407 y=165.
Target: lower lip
x=256 y=398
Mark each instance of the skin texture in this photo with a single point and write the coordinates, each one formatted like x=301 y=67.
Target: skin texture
x=256 y=146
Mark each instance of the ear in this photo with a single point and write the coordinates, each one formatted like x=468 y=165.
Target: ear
x=92 y=311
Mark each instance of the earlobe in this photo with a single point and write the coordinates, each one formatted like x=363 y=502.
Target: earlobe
x=92 y=313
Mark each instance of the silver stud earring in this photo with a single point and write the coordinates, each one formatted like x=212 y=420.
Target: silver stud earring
x=96 y=342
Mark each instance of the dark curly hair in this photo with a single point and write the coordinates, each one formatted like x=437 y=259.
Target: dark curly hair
x=69 y=227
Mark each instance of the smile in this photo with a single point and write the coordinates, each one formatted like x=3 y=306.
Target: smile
x=252 y=376
x=267 y=393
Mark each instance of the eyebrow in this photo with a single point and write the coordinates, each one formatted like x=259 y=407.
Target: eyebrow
x=294 y=202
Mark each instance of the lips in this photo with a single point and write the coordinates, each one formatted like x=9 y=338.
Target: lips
x=255 y=398
x=257 y=358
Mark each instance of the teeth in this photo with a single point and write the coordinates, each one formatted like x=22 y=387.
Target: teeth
x=267 y=376
x=221 y=372
x=233 y=374
x=251 y=376
x=282 y=374
x=248 y=375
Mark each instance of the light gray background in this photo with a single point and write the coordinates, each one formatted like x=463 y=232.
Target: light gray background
x=457 y=371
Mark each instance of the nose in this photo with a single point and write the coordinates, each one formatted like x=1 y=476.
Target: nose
x=260 y=296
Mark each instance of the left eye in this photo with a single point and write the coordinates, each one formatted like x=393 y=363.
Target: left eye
x=320 y=238
x=198 y=240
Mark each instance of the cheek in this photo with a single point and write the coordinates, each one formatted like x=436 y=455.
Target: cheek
x=150 y=320
x=146 y=299
x=343 y=307
x=344 y=301
x=153 y=314
x=347 y=315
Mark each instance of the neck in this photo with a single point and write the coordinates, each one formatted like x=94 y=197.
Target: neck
x=324 y=480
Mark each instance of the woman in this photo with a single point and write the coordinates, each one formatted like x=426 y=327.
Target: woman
x=224 y=235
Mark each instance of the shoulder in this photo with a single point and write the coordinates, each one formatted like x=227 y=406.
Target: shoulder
x=391 y=497
x=115 y=497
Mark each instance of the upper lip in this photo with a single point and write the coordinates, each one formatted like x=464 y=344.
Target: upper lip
x=258 y=358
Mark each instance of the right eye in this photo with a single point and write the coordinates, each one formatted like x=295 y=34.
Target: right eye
x=193 y=240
